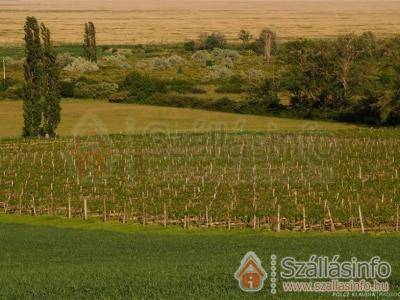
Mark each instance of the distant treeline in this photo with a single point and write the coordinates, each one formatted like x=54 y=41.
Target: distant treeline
x=352 y=78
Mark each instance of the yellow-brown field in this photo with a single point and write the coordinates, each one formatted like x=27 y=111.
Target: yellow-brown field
x=158 y=21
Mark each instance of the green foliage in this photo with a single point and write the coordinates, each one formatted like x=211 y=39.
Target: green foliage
x=245 y=37
x=67 y=88
x=189 y=46
x=33 y=79
x=265 y=95
x=101 y=90
x=140 y=87
x=212 y=41
x=51 y=86
x=180 y=86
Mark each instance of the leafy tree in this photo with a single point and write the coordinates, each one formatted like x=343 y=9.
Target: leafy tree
x=33 y=79
x=245 y=36
x=90 y=48
x=214 y=40
x=265 y=95
x=51 y=85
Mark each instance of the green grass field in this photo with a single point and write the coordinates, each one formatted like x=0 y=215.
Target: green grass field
x=88 y=117
x=53 y=258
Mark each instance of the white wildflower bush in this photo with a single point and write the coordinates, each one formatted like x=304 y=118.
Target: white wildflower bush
x=223 y=57
x=176 y=60
x=253 y=76
x=221 y=54
x=115 y=61
x=81 y=65
x=202 y=57
x=220 y=73
x=160 y=63
x=65 y=59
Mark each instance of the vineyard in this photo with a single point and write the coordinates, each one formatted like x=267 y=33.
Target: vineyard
x=317 y=180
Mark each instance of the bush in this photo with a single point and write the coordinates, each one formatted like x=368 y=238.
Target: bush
x=229 y=89
x=140 y=87
x=202 y=57
x=180 y=86
x=220 y=73
x=160 y=63
x=12 y=92
x=190 y=46
x=119 y=97
x=214 y=40
x=221 y=54
x=81 y=65
x=64 y=59
x=265 y=96
x=176 y=60
x=67 y=88
x=253 y=76
x=101 y=90
x=115 y=61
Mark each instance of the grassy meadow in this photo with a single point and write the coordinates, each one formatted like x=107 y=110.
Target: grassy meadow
x=134 y=22
x=90 y=117
x=54 y=258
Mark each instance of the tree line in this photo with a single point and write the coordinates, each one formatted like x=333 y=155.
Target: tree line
x=353 y=78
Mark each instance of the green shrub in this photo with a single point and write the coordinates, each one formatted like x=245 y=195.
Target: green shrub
x=140 y=87
x=12 y=92
x=265 y=96
x=180 y=86
x=229 y=89
x=214 y=40
x=101 y=90
x=67 y=88
x=190 y=46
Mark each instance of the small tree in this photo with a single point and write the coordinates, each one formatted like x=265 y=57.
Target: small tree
x=51 y=85
x=212 y=41
x=265 y=95
x=33 y=67
x=90 y=48
x=245 y=36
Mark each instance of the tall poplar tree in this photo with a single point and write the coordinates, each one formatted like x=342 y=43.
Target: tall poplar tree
x=89 y=46
x=33 y=79
x=51 y=85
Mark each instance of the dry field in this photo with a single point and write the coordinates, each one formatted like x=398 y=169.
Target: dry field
x=161 y=21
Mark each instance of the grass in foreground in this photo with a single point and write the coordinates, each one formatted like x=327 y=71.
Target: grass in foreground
x=88 y=117
x=53 y=258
